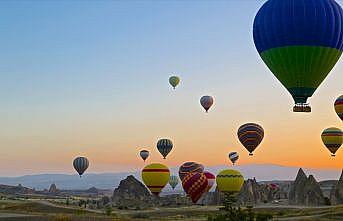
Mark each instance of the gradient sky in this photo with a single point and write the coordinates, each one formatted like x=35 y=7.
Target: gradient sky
x=91 y=78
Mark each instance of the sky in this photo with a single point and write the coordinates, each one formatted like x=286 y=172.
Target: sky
x=90 y=78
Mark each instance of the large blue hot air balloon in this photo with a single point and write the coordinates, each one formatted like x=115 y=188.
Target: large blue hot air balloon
x=300 y=41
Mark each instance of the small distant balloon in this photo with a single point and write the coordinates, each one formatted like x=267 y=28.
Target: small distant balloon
x=80 y=164
x=174 y=81
x=206 y=102
x=144 y=154
x=164 y=146
x=250 y=135
x=233 y=156
x=173 y=181
x=339 y=107
x=332 y=138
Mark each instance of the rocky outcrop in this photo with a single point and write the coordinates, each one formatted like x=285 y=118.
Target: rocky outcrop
x=53 y=189
x=6 y=189
x=306 y=191
x=297 y=188
x=131 y=193
x=336 y=195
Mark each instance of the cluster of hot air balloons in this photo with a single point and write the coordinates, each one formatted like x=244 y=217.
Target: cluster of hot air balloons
x=195 y=181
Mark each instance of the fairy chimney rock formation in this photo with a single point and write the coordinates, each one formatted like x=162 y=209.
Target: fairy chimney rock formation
x=297 y=188
x=337 y=192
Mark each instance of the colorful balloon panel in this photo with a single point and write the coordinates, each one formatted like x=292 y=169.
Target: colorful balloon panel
x=229 y=181
x=302 y=44
x=144 y=154
x=195 y=185
x=174 y=81
x=80 y=165
x=339 y=107
x=211 y=179
x=250 y=135
x=332 y=138
x=233 y=156
x=164 y=146
x=190 y=167
x=173 y=181
x=155 y=176
x=206 y=102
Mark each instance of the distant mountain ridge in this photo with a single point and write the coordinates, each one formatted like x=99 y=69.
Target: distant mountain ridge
x=262 y=172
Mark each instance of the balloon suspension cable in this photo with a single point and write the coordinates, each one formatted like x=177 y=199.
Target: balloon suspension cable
x=302 y=108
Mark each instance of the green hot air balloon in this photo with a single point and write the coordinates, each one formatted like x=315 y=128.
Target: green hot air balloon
x=174 y=81
x=173 y=181
x=300 y=41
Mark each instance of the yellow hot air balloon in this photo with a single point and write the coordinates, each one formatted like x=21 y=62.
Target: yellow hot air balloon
x=174 y=81
x=332 y=138
x=229 y=181
x=155 y=176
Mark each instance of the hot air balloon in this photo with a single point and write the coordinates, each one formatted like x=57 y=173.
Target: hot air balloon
x=144 y=154
x=190 y=167
x=174 y=81
x=300 y=42
x=164 y=146
x=332 y=138
x=80 y=164
x=155 y=176
x=229 y=181
x=206 y=102
x=339 y=107
x=173 y=181
x=195 y=185
x=211 y=179
x=250 y=135
x=233 y=156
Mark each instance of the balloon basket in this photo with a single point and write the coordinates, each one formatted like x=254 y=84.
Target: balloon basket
x=302 y=108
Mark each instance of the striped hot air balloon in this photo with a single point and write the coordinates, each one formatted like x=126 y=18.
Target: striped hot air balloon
x=233 y=156
x=339 y=107
x=300 y=41
x=229 y=181
x=80 y=164
x=211 y=179
x=144 y=154
x=155 y=176
x=195 y=185
x=164 y=146
x=250 y=135
x=173 y=181
x=332 y=138
x=190 y=167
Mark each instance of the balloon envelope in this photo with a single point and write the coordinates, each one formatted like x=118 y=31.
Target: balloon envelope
x=332 y=138
x=190 y=167
x=206 y=102
x=211 y=179
x=195 y=185
x=144 y=154
x=301 y=44
x=229 y=181
x=155 y=176
x=339 y=107
x=233 y=156
x=173 y=181
x=174 y=81
x=80 y=164
x=250 y=135
x=164 y=146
